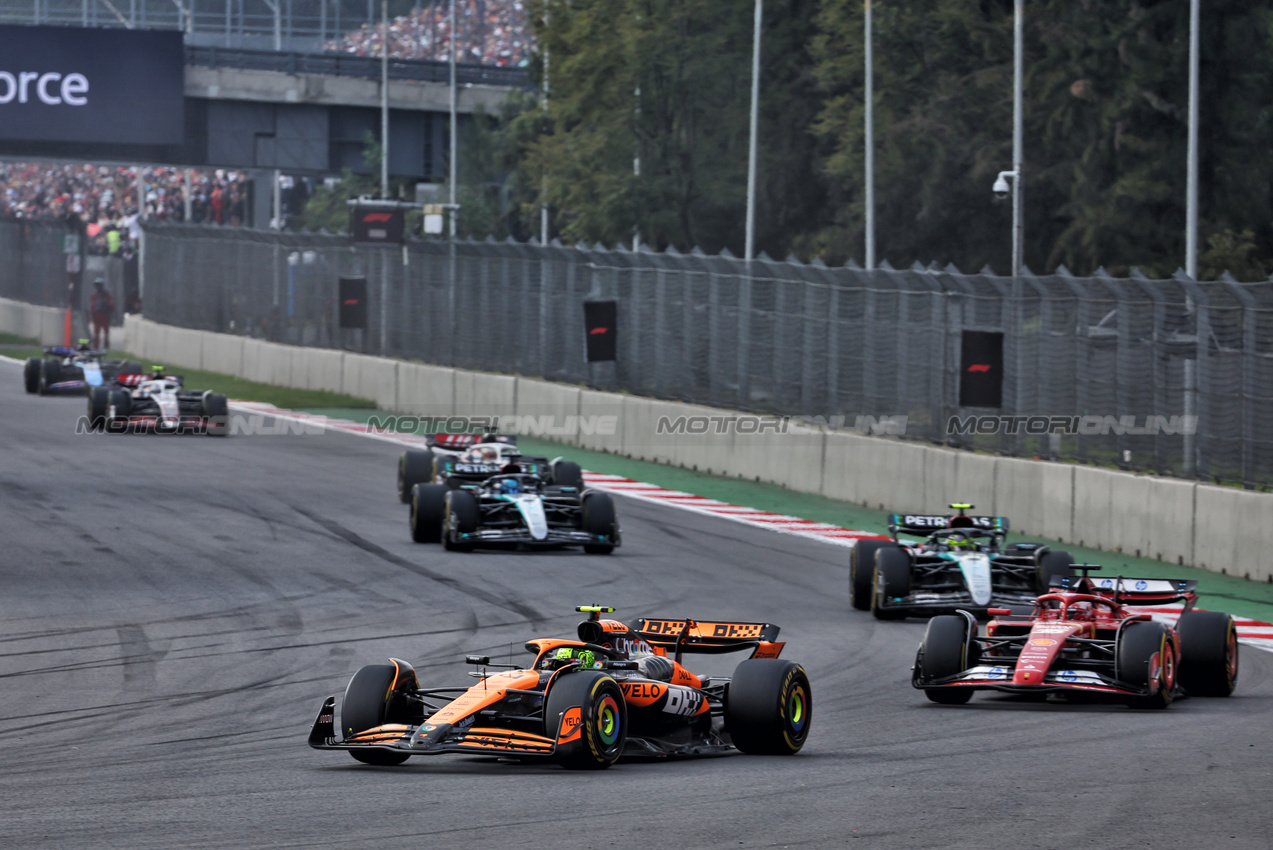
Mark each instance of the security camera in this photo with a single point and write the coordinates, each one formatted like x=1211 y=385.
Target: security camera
x=1001 y=186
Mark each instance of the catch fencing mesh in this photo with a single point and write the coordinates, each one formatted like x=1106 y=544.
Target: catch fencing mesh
x=847 y=347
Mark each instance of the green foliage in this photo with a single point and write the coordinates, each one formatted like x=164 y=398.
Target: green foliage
x=668 y=82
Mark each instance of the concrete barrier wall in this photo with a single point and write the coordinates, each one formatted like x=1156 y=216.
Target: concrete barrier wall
x=1217 y=528
x=45 y=324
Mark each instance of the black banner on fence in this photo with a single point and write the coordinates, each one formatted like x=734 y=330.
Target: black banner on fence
x=353 y=302
x=370 y=223
x=601 y=318
x=981 y=369
x=102 y=86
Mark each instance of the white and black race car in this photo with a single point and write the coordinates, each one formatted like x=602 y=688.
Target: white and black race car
x=962 y=563
x=159 y=403
x=513 y=509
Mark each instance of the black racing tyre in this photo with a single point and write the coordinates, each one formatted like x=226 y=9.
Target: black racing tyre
x=862 y=571
x=597 y=517
x=892 y=579
x=945 y=651
x=461 y=518
x=1052 y=564
x=122 y=402
x=50 y=374
x=216 y=409
x=415 y=466
x=428 y=512
x=601 y=720
x=31 y=375
x=1137 y=645
x=366 y=706
x=98 y=405
x=769 y=707
x=1208 y=653
x=567 y=473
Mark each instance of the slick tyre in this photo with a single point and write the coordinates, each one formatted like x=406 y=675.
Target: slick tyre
x=892 y=580
x=944 y=652
x=1051 y=565
x=122 y=403
x=1139 y=645
x=597 y=518
x=768 y=707
x=862 y=571
x=217 y=411
x=567 y=473
x=428 y=512
x=587 y=717
x=366 y=706
x=50 y=374
x=98 y=405
x=1208 y=653
x=461 y=518
x=414 y=467
x=31 y=375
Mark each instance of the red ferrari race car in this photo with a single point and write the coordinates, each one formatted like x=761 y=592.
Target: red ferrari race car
x=1082 y=638
x=615 y=691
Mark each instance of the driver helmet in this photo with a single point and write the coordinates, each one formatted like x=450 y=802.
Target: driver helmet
x=484 y=454
x=959 y=541
x=511 y=486
x=566 y=655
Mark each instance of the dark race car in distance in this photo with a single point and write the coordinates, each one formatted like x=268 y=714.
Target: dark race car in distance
x=75 y=370
x=1083 y=638
x=513 y=509
x=159 y=403
x=584 y=703
x=962 y=561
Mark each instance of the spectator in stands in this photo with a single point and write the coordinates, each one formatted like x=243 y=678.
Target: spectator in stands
x=490 y=32
x=101 y=305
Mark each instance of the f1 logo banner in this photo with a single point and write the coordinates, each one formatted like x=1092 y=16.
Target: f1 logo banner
x=67 y=84
x=353 y=302
x=981 y=369
x=370 y=223
x=600 y=318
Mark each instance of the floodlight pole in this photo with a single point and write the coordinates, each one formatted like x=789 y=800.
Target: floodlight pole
x=454 y=120
x=384 y=99
x=1191 y=231
x=869 y=96
x=1018 y=181
x=750 y=249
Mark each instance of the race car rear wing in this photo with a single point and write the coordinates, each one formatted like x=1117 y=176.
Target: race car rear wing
x=925 y=524
x=1135 y=591
x=464 y=441
x=703 y=637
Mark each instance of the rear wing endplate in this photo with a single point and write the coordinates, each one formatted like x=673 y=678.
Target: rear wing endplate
x=703 y=636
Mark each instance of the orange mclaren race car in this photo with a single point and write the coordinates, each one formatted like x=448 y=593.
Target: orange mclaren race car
x=615 y=691
x=1082 y=638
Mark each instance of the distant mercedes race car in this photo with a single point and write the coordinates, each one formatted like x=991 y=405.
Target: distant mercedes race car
x=962 y=562
x=1082 y=638
x=73 y=371
x=513 y=508
x=157 y=402
x=584 y=703
x=459 y=459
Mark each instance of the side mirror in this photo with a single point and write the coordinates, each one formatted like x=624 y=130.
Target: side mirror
x=479 y=660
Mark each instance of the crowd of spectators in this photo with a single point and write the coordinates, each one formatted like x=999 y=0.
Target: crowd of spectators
x=490 y=32
x=105 y=197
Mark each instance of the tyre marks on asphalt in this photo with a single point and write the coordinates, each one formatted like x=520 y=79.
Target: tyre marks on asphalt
x=353 y=538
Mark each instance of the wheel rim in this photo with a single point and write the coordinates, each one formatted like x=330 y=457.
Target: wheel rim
x=609 y=722
x=1168 y=674
x=797 y=710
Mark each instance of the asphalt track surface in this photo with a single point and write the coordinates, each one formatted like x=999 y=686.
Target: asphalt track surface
x=174 y=610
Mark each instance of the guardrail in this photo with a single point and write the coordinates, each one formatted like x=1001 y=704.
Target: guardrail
x=346 y=65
